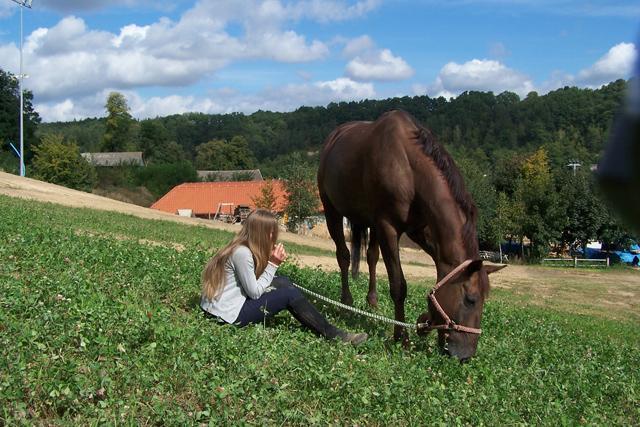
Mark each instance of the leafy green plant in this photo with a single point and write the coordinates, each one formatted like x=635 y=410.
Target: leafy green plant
x=97 y=325
x=60 y=162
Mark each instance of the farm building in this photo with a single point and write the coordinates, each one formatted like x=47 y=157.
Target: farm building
x=234 y=175
x=114 y=158
x=211 y=199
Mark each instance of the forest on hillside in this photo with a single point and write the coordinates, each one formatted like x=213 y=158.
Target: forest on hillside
x=572 y=121
x=513 y=153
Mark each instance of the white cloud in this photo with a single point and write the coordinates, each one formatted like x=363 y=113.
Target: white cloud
x=288 y=47
x=174 y=104
x=382 y=65
x=70 y=59
x=332 y=10
x=615 y=64
x=73 y=66
x=282 y=98
x=346 y=89
x=492 y=75
x=482 y=75
x=130 y=35
x=359 y=45
x=58 y=112
x=367 y=62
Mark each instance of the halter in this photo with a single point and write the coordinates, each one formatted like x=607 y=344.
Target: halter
x=448 y=325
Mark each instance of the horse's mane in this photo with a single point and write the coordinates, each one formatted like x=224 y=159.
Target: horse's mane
x=432 y=148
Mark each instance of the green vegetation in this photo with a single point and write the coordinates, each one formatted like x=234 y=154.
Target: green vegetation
x=117 y=132
x=10 y=116
x=225 y=155
x=512 y=152
x=59 y=161
x=302 y=194
x=98 y=326
x=160 y=178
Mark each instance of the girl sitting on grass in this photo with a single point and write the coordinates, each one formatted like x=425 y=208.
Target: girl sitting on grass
x=239 y=285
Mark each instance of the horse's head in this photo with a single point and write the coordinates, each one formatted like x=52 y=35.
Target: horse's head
x=461 y=297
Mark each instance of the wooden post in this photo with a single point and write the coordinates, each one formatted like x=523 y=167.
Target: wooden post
x=607 y=262
x=575 y=262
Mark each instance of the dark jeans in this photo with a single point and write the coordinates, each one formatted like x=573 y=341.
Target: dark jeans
x=285 y=296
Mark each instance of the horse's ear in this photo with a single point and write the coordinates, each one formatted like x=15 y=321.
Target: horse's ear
x=466 y=272
x=492 y=268
x=474 y=266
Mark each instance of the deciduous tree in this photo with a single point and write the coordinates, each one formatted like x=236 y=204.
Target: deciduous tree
x=219 y=154
x=302 y=196
x=10 y=114
x=117 y=134
x=267 y=198
x=542 y=219
x=60 y=162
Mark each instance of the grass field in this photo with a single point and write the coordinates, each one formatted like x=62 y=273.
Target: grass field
x=99 y=323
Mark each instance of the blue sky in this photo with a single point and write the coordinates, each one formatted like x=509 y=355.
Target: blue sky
x=218 y=56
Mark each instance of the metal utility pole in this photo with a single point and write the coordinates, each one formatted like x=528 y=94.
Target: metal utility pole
x=575 y=165
x=21 y=76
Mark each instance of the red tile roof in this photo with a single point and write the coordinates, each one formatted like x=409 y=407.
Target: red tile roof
x=203 y=197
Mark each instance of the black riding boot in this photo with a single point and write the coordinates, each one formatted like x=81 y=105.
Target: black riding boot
x=308 y=315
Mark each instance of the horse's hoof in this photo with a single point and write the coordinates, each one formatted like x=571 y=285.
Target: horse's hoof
x=400 y=334
x=346 y=299
x=372 y=300
x=404 y=340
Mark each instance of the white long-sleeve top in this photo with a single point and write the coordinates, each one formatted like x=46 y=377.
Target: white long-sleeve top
x=240 y=284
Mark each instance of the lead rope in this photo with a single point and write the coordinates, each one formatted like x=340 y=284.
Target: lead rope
x=449 y=325
x=362 y=312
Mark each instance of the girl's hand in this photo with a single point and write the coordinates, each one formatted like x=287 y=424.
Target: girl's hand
x=278 y=255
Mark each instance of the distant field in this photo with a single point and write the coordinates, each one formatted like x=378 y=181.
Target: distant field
x=99 y=323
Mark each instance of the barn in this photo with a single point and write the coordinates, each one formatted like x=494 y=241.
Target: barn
x=215 y=199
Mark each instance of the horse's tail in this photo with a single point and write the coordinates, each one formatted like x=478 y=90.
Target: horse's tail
x=359 y=234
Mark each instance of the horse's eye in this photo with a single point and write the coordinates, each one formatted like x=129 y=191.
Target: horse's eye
x=470 y=300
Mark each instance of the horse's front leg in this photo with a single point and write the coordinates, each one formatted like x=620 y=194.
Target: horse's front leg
x=388 y=238
x=373 y=255
x=336 y=230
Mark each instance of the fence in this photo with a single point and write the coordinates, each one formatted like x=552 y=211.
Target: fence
x=575 y=262
x=493 y=256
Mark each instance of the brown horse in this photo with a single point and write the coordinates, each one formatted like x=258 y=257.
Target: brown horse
x=391 y=176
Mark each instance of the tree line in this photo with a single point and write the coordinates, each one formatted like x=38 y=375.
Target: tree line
x=513 y=153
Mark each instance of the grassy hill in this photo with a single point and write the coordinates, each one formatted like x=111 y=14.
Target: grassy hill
x=99 y=323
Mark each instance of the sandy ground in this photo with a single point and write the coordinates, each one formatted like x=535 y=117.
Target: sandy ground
x=616 y=291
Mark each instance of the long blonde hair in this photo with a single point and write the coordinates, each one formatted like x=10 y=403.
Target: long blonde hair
x=259 y=233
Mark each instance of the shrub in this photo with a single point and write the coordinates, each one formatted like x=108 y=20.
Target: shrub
x=59 y=162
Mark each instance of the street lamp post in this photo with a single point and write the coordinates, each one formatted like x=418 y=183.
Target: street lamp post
x=22 y=3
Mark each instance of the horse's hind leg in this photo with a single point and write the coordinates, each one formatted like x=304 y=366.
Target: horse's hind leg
x=336 y=230
x=373 y=255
